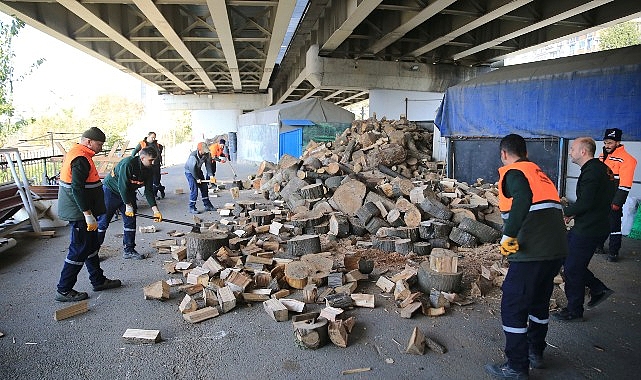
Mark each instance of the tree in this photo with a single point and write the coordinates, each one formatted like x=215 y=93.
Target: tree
x=620 y=35
x=7 y=78
x=114 y=115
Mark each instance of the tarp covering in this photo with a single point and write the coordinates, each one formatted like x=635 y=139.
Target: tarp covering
x=314 y=109
x=297 y=122
x=567 y=97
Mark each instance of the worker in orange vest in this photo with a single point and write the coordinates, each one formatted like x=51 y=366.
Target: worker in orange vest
x=622 y=164
x=218 y=152
x=151 y=141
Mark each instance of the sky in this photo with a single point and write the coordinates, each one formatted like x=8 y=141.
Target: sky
x=69 y=78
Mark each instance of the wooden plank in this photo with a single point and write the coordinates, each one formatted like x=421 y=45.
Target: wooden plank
x=71 y=311
x=142 y=336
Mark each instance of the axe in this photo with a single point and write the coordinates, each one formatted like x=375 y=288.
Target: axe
x=195 y=227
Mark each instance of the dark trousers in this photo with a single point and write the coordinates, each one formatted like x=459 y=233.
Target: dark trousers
x=615 y=232
x=194 y=186
x=83 y=249
x=155 y=178
x=213 y=169
x=525 y=309
x=576 y=272
x=113 y=203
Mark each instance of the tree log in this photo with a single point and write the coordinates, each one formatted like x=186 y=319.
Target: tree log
x=201 y=246
x=304 y=244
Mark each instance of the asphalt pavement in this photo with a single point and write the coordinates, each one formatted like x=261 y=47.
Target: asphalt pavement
x=247 y=344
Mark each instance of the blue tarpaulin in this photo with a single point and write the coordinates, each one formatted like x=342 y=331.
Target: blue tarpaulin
x=297 y=122
x=566 y=97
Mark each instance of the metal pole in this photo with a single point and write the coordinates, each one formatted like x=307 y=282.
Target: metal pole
x=23 y=189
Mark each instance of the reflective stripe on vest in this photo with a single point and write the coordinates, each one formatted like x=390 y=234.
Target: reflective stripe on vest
x=544 y=193
x=139 y=183
x=93 y=179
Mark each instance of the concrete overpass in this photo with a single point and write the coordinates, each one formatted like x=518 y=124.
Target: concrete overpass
x=226 y=54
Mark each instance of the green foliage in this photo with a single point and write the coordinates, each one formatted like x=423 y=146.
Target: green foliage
x=114 y=115
x=620 y=35
x=8 y=125
x=181 y=128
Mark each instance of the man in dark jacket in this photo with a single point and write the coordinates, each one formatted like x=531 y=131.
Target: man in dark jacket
x=151 y=141
x=534 y=241
x=196 y=177
x=80 y=199
x=594 y=191
x=120 y=188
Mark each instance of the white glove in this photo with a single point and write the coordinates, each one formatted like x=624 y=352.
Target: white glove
x=92 y=224
x=129 y=210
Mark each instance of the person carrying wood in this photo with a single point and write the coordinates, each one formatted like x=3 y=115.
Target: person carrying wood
x=217 y=152
x=622 y=164
x=196 y=177
x=534 y=241
x=120 y=188
x=151 y=141
x=80 y=199
x=594 y=191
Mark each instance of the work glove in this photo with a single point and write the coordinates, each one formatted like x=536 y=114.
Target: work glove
x=615 y=207
x=129 y=210
x=199 y=181
x=509 y=245
x=92 y=224
x=222 y=161
x=157 y=214
x=212 y=179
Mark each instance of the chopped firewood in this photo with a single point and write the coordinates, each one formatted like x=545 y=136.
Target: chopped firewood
x=337 y=333
x=191 y=289
x=255 y=297
x=226 y=299
x=198 y=275
x=170 y=267
x=412 y=298
x=292 y=304
x=275 y=309
x=280 y=294
x=147 y=229
x=142 y=336
x=183 y=265
x=212 y=265
x=330 y=313
x=188 y=304
x=435 y=346
x=433 y=311
x=443 y=260
x=259 y=260
x=174 y=281
x=309 y=293
x=386 y=284
x=407 y=274
x=210 y=297
x=239 y=279
x=409 y=310
x=159 y=290
x=341 y=300
x=178 y=252
x=71 y=311
x=363 y=300
x=201 y=315
x=310 y=330
x=348 y=288
x=355 y=275
x=401 y=290
x=416 y=344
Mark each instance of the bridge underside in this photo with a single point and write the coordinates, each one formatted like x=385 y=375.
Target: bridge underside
x=337 y=50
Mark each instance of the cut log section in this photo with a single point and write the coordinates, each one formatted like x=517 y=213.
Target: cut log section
x=339 y=225
x=261 y=217
x=310 y=330
x=159 y=290
x=443 y=260
x=403 y=246
x=422 y=248
x=463 y=238
x=483 y=232
x=445 y=282
x=314 y=191
x=276 y=310
x=142 y=336
x=367 y=212
x=304 y=244
x=416 y=344
x=202 y=246
x=201 y=314
x=337 y=333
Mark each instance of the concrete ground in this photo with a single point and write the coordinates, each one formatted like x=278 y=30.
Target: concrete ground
x=247 y=344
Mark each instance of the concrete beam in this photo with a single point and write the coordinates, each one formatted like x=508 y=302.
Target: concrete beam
x=218 y=11
x=281 y=22
x=216 y=102
x=349 y=16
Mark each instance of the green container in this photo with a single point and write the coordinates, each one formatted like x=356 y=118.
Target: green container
x=635 y=233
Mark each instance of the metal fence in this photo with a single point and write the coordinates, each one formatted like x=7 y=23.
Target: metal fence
x=38 y=167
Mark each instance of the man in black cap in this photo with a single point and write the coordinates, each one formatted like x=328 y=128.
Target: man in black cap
x=622 y=165
x=80 y=199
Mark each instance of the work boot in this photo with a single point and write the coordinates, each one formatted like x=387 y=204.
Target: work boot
x=193 y=210
x=597 y=298
x=503 y=371
x=71 y=296
x=536 y=360
x=612 y=258
x=208 y=206
x=133 y=255
x=599 y=251
x=108 y=284
x=567 y=315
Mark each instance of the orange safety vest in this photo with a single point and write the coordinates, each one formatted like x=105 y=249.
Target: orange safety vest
x=78 y=150
x=622 y=165
x=216 y=150
x=544 y=193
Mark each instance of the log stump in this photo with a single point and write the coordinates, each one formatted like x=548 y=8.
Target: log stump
x=304 y=244
x=310 y=330
x=445 y=282
x=202 y=246
x=422 y=248
x=339 y=225
x=403 y=246
x=367 y=212
x=261 y=217
x=314 y=191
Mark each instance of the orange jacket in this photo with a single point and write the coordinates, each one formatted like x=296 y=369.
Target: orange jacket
x=217 y=150
x=544 y=192
x=76 y=151
x=622 y=165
